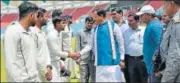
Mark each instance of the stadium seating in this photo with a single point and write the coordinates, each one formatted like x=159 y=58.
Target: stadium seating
x=9 y=17
x=102 y=6
x=68 y=11
x=134 y=11
x=156 y=4
x=81 y=11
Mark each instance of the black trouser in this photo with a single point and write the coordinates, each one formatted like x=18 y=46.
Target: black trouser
x=126 y=74
x=135 y=71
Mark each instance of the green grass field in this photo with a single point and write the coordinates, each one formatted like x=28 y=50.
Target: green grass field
x=3 y=71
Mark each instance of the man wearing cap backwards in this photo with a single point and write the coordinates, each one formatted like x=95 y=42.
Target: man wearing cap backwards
x=170 y=46
x=54 y=38
x=152 y=36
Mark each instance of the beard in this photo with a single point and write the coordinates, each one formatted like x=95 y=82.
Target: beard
x=44 y=24
x=33 y=24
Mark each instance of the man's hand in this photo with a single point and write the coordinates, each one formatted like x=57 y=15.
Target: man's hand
x=78 y=61
x=71 y=55
x=62 y=65
x=48 y=74
x=122 y=64
x=74 y=56
x=158 y=74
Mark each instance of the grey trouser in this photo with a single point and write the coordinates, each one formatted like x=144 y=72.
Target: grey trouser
x=172 y=71
x=87 y=71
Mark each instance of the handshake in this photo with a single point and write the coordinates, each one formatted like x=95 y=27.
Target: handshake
x=74 y=56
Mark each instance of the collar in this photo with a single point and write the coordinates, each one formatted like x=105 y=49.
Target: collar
x=176 y=17
x=20 y=27
x=105 y=22
x=152 y=21
x=138 y=29
x=37 y=29
x=85 y=29
x=55 y=31
x=123 y=22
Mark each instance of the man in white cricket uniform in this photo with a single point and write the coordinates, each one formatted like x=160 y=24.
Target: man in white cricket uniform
x=55 y=44
x=67 y=46
x=43 y=58
x=50 y=26
x=19 y=47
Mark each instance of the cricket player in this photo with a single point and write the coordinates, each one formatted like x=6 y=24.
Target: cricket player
x=54 y=40
x=19 y=46
x=66 y=39
x=50 y=26
x=43 y=58
x=67 y=45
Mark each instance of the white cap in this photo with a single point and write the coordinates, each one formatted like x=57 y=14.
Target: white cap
x=146 y=9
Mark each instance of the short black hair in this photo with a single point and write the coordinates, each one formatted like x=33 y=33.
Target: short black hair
x=56 y=12
x=26 y=8
x=136 y=17
x=89 y=19
x=41 y=12
x=159 y=17
x=100 y=12
x=57 y=19
x=117 y=10
x=177 y=2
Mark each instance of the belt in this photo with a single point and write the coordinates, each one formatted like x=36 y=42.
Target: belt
x=134 y=57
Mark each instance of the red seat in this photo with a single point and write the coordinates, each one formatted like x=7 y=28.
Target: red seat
x=102 y=6
x=9 y=17
x=68 y=11
x=81 y=11
x=156 y=4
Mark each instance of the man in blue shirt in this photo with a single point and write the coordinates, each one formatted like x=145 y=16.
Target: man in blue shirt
x=152 y=36
x=133 y=42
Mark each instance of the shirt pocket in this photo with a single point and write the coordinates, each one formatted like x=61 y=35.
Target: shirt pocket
x=84 y=42
x=84 y=39
x=140 y=37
